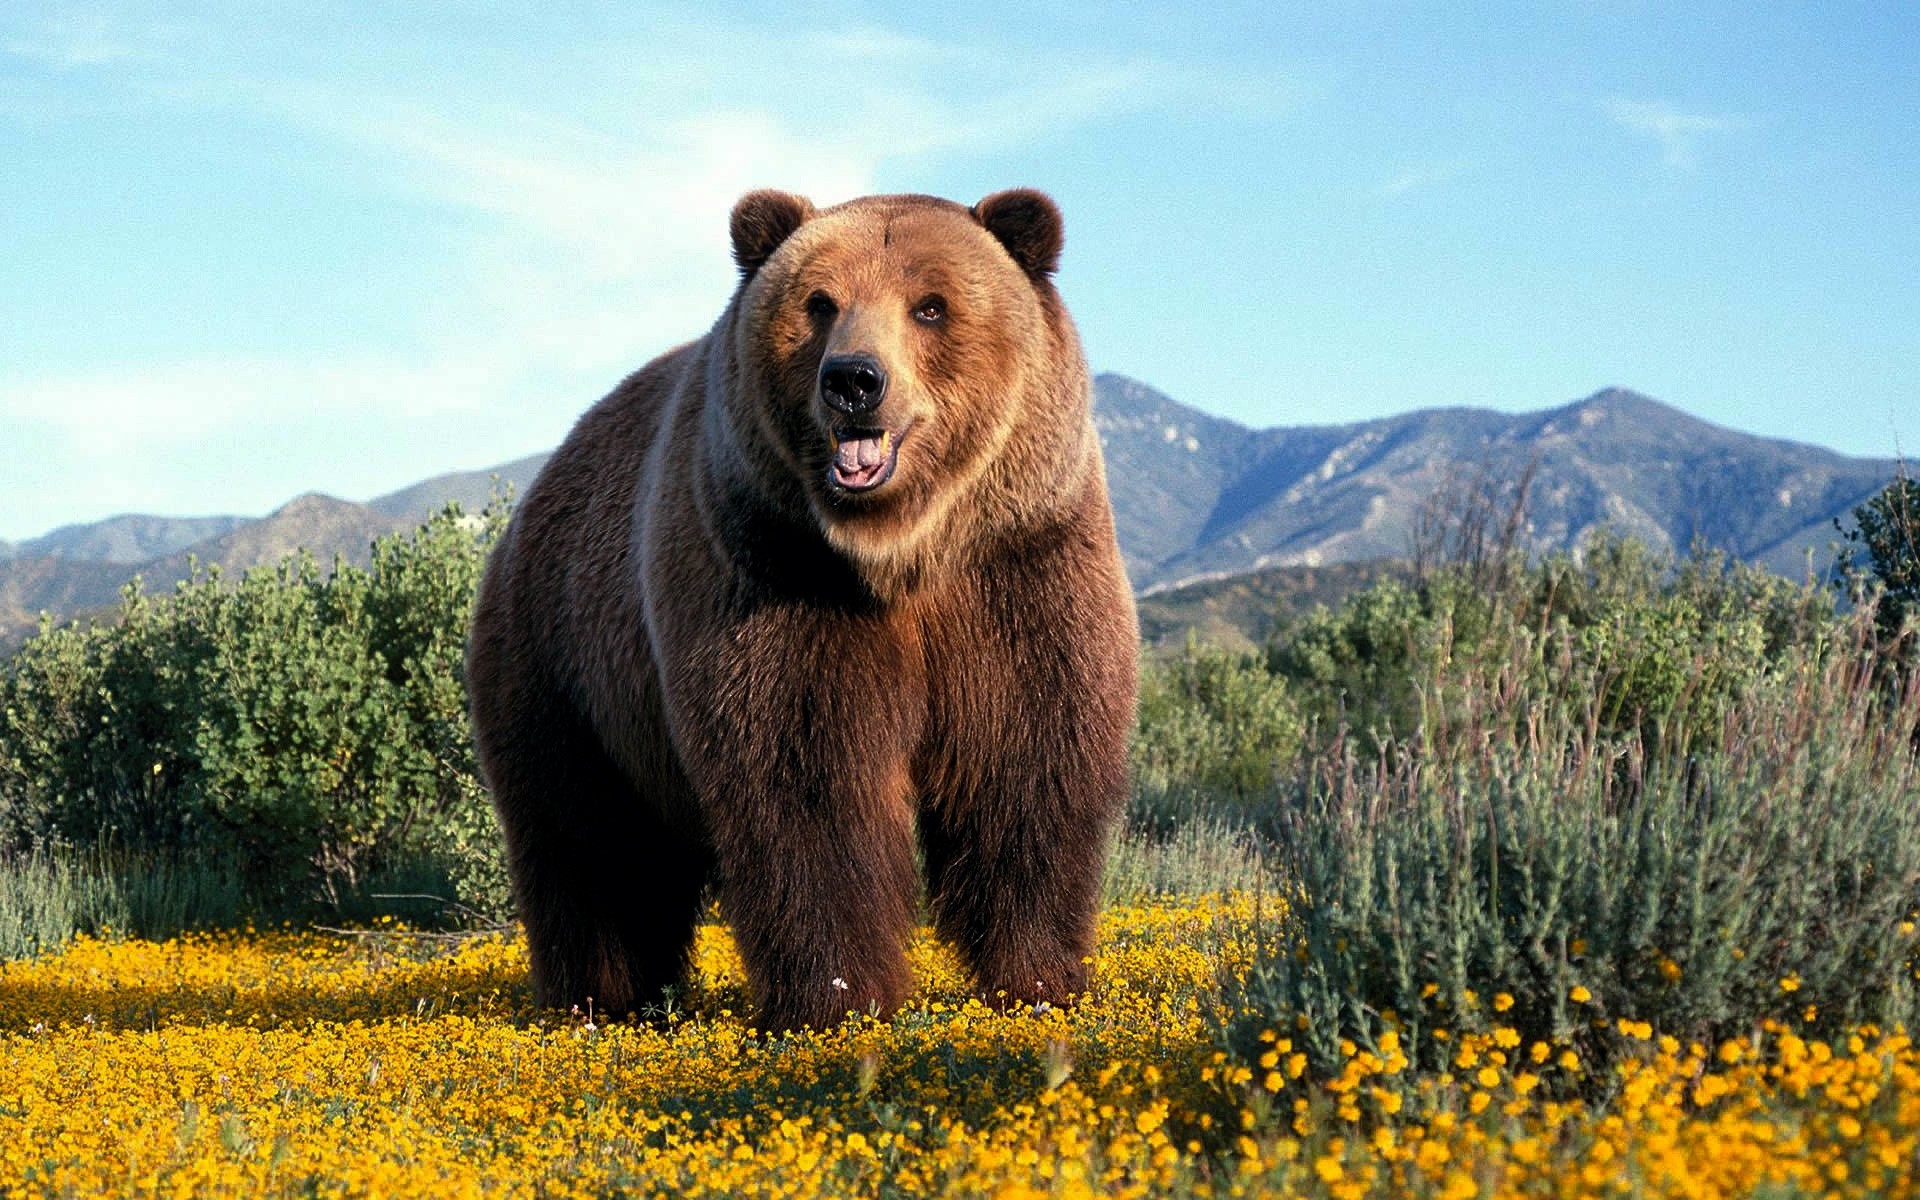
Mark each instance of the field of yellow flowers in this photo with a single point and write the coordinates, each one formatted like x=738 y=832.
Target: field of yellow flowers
x=382 y=1064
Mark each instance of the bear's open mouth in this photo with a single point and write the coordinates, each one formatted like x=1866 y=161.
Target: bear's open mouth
x=863 y=459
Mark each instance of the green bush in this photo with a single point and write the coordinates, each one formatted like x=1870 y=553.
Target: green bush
x=307 y=731
x=1671 y=783
x=1216 y=732
x=1531 y=850
x=1882 y=551
x=1354 y=667
x=1620 y=635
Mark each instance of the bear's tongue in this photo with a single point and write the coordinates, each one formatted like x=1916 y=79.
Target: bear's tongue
x=859 y=458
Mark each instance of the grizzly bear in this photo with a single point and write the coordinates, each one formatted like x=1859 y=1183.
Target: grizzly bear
x=821 y=599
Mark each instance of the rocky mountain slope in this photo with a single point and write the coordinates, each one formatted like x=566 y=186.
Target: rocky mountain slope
x=128 y=539
x=1236 y=499
x=1195 y=497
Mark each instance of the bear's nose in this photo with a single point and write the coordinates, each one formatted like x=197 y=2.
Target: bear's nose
x=852 y=383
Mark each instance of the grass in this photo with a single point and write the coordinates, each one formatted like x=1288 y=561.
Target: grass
x=46 y=896
x=1205 y=852
x=288 y=1063
x=50 y=894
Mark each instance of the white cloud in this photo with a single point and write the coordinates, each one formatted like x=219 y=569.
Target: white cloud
x=598 y=205
x=871 y=42
x=595 y=244
x=244 y=434
x=1676 y=131
x=594 y=252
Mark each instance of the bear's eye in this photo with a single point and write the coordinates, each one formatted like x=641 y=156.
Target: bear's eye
x=821 y=307
x=930 y=311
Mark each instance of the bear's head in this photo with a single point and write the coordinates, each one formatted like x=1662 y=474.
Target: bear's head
x=905 y=359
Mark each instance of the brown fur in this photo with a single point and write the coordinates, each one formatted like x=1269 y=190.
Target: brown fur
x=695 y=660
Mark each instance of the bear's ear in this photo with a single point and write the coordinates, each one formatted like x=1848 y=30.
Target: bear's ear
x=761 y=221
x=1028 y=225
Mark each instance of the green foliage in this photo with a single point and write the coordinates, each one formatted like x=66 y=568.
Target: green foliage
x=48 y=895
x=1216 y=723
x=1197 y=856
x=1673 y=790
x=1216 y=732
x=1630 y=639
x=1883 y=547
x=44 y=899
x=1355 y=666
x=307 y=732
x=1667 y=782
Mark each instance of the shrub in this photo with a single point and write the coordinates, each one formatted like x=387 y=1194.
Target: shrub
x=1883 y=549
x=1355 y=667
x=1631 y=639
x=1767 y=868
x=307 y=731
x=1216 y=732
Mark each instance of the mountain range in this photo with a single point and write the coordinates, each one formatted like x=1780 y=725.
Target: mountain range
x=1195 y=497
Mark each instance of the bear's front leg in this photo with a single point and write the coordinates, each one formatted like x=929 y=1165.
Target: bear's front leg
x=797 y=733
x=820 y=888
x=1025 y=777
x=1014 y=866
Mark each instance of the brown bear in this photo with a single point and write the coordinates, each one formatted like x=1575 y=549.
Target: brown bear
x=833 y=584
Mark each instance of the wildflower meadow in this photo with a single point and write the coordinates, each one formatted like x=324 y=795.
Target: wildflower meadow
x=1583 y=877
x=381 y=1064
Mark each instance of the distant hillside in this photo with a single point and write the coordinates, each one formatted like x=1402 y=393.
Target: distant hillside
x=1242 y=611
x=72 y=586
x=1195 y=498
x=31 y=586
x=322 y=525
x=1167 y=466
x=128 y=539
x=83 y=574
x=471 y=488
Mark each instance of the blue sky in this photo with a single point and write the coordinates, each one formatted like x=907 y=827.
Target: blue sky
x=252 y=250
